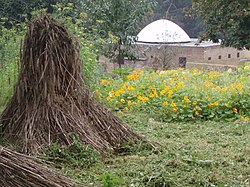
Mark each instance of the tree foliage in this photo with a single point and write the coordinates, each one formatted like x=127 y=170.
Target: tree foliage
x=175 y=10
x=116 y=20
x=227 y=20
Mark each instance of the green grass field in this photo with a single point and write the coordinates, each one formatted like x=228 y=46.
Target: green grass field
x=187 y=154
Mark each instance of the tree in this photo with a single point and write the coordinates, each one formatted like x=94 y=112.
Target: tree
x=16 y=11
x=175 y=10
x=227 y=20
x=117 y=21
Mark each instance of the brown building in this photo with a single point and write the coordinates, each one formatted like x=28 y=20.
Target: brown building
x=188 y=55
x=164 y=45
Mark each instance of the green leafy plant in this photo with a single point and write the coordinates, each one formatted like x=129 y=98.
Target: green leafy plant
x=76 y=21
x=74 y=155
x=122 y=72
x=109 y=180
x=10 y=41
x=180 y=95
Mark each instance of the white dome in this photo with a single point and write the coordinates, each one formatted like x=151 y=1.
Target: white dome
x=162 y=31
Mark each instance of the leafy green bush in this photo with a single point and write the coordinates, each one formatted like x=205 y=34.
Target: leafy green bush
x=109 y=180
x=75 y=20
x=10 y=42
x=180 y=95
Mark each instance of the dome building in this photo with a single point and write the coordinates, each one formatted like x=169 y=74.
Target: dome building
x=162 y=32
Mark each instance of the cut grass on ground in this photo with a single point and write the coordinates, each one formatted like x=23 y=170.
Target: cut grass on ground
x=190 y=154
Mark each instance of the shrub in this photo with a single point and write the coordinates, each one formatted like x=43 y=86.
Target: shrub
x=10 y=41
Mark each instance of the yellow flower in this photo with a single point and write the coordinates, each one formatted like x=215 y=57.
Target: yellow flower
x=195 y=103
x=166 y=88
x=197 y=113
x=135 y=75
x=111 y=94
x=196 y=71
x=126 y=108
x=213 y=74
x=224 y=89
x=154 y=94
x=104 y=81
x=151 y=95
x=232 y=87
x=244 y=118
x=239 y=86
x=173 y=104
x=117 y=94
x=130 y=103
x=179 y=85
x=131 y=88
x=163 y=92
x=162 y=72
x=98 y=93
x=170 y=93
x=186 y=99
x=143 y=98
x=122 y=90
x=184 y=76
x=165 y=103
x=123 y=101
x=216 y=103
x=125 y=84
x=175 y=109
x=210 y=84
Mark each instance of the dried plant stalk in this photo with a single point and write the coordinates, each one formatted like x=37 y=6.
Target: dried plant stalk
x=24 y=171
x=51 y=99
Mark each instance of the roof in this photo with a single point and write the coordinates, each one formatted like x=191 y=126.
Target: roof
x=193 y=43
x=162 y=31
x=196 y=43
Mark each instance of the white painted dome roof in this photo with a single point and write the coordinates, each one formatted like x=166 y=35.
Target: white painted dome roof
x=162 y=31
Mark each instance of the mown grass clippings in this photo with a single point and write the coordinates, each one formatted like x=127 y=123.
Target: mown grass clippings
x=191 y=154
x=76 y=155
